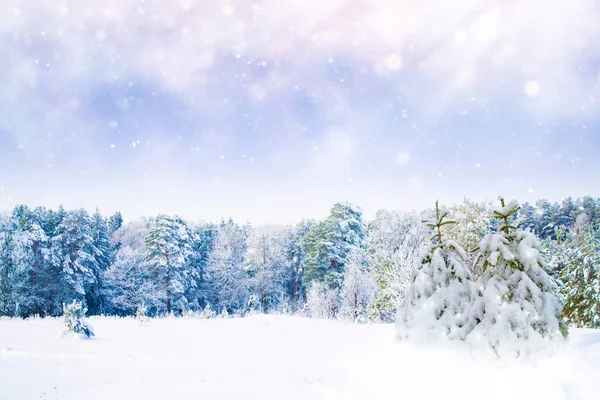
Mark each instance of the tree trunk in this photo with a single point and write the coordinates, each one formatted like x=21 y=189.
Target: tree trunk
x=168 y=284
x=295 y=293
x=34 y=276
x=355 y=305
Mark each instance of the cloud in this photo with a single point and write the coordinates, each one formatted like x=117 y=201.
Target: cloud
x=181 y=46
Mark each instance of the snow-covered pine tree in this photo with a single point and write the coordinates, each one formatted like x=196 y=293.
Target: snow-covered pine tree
x=580 y=276
x=9 y=277
x=102 y=245
x=518 y=305
x=168 y=248
x=438 y=301
x=296 y=254
x=30 y=255
x=327 y=247
x=200 y=293
x=114 y=223
x=527 y=218
x=103 y=253
x=73 y=256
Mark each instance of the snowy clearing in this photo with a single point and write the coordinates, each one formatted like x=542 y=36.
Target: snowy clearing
x=273 y=357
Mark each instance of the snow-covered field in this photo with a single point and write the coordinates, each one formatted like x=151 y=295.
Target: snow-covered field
x=273 y=357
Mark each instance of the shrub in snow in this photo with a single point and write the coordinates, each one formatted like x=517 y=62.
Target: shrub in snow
x=208 y=312
x=140 y=313
x=518 y=305
x=224 y=313
x=438 y=301
x=73 y=318
x=253 y=306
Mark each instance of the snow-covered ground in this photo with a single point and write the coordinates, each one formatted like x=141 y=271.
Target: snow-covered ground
x=273 y=357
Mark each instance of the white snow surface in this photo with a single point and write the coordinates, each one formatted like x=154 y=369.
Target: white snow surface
x=274 y=357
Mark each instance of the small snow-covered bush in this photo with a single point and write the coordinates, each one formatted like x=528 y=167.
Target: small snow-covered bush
x=253 y=305
x=518 y=306
x=206 y=313
x=73 y=315
x=438 y=301
x=140 y=312
x=224 y=313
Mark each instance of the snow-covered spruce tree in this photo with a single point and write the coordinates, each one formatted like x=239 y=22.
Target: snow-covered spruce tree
x=580 y=276
x=438 y=301
x=28 y=257
x=9 y=276
x=73 y=255
x=168 y=248
x=200 y=293
x=329 y=242
x=296 y=255
x=518 y=305
x=73 y=315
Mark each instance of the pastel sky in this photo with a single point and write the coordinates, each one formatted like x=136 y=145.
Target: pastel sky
x=272 y=110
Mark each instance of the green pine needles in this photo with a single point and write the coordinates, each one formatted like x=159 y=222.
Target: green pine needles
x=73 y=315
x=437 y=224
x=505 y=213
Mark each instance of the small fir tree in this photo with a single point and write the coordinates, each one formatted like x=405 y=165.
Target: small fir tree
x=73 y=315
x=208 y=312
x=438 y=300
x=518 y=303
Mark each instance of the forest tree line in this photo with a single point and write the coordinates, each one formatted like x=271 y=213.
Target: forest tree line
x=342 y=266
